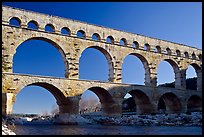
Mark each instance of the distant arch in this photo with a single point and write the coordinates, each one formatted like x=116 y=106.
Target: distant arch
x=110 y=40
x=15 y=21
x=172 y=103
x=194 y=103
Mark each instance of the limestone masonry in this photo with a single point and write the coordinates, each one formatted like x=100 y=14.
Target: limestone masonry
x=68 y=90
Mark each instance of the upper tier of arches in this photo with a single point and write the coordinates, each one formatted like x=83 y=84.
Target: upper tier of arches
x=60 y=25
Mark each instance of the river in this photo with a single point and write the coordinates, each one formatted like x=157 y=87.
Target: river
x=105 y=130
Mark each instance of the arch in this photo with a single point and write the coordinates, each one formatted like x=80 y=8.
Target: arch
x=168 y=51
x=15 y=21
x=146 y=47
x=193 y=56
x=33 y=25
x=123 y=41
x=142 y=101
x=105 y=99
x=108 y=58
x=65 y=31
x=145 y=65
x=49 y=28
x=175 y=69
x=186 y=54
x=172 y=103
x=135 y=44
x=81 y=34
x=158 y=49
x=178 y=53
x=198 y=72
x=200 y=57
x=63 y=55
x=194 y=103
x=110 y=40
x=56 y=92
x=96 y=37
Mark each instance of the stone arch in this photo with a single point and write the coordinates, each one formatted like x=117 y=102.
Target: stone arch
x=186 y=54
x=105 y=99
x=172 y=103
x=34 y=23
x=194 y=103
x=158 y=49
x=145 y=65
x=123 y=42
x=147 y=47
x=175 y=67
x=142 y=101
x=65 y=31
x=198 y=71
x=97 y=36
x=168 y=51
x=111 y=39
x=16 y=19
x=82 y=33
x=135 y=45
x=51 y=27
x=61 y=100
x=62 y=52
x=108 y=58
x=178 y=53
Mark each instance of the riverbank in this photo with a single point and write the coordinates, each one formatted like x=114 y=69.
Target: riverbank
x=183 y=119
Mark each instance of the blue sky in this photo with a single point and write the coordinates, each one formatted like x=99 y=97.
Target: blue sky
x=179 y=22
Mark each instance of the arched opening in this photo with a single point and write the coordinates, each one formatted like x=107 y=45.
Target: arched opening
x=123 y=42
x=96 y=37
x=110 y=40
x=135 y=69
x=81 y=34
x=100 y=103
x=186 y=54
x=166 y=73
x=96 y=64
x=157 y=49
x=32 y=57
x=161 y=106
x=89 y=103
x=31 y=100
x=200 y=57
x=169 y=103
x=194 y=104
x=15 y=22
x=49 y=28
x=147 y=47
x=135 y=45
x=178 y=53
x=33 y=25
x=191 y=76
x=128 y=104
x=137 y=102
x=65 y=31
x=168 y=51
x=193 y=56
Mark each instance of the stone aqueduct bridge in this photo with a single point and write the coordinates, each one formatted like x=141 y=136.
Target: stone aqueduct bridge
x=68 y=90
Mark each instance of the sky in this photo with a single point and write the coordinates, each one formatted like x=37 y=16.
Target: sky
x=179 y=22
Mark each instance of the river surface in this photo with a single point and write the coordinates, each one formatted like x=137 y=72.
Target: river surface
x=105 y=130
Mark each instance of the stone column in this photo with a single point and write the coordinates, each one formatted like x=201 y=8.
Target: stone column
x=112 y=108
x=69 y=106
x=199 y=80
x=7 y=103
x=180 y=79
x=117 y=78
x=151 y=79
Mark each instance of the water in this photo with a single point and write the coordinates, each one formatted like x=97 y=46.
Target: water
x=105 y=130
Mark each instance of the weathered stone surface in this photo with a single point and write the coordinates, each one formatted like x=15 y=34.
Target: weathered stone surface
x=67 y=91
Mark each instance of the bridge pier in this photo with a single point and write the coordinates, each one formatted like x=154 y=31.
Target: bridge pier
x=8 y=100
x=112 y=108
